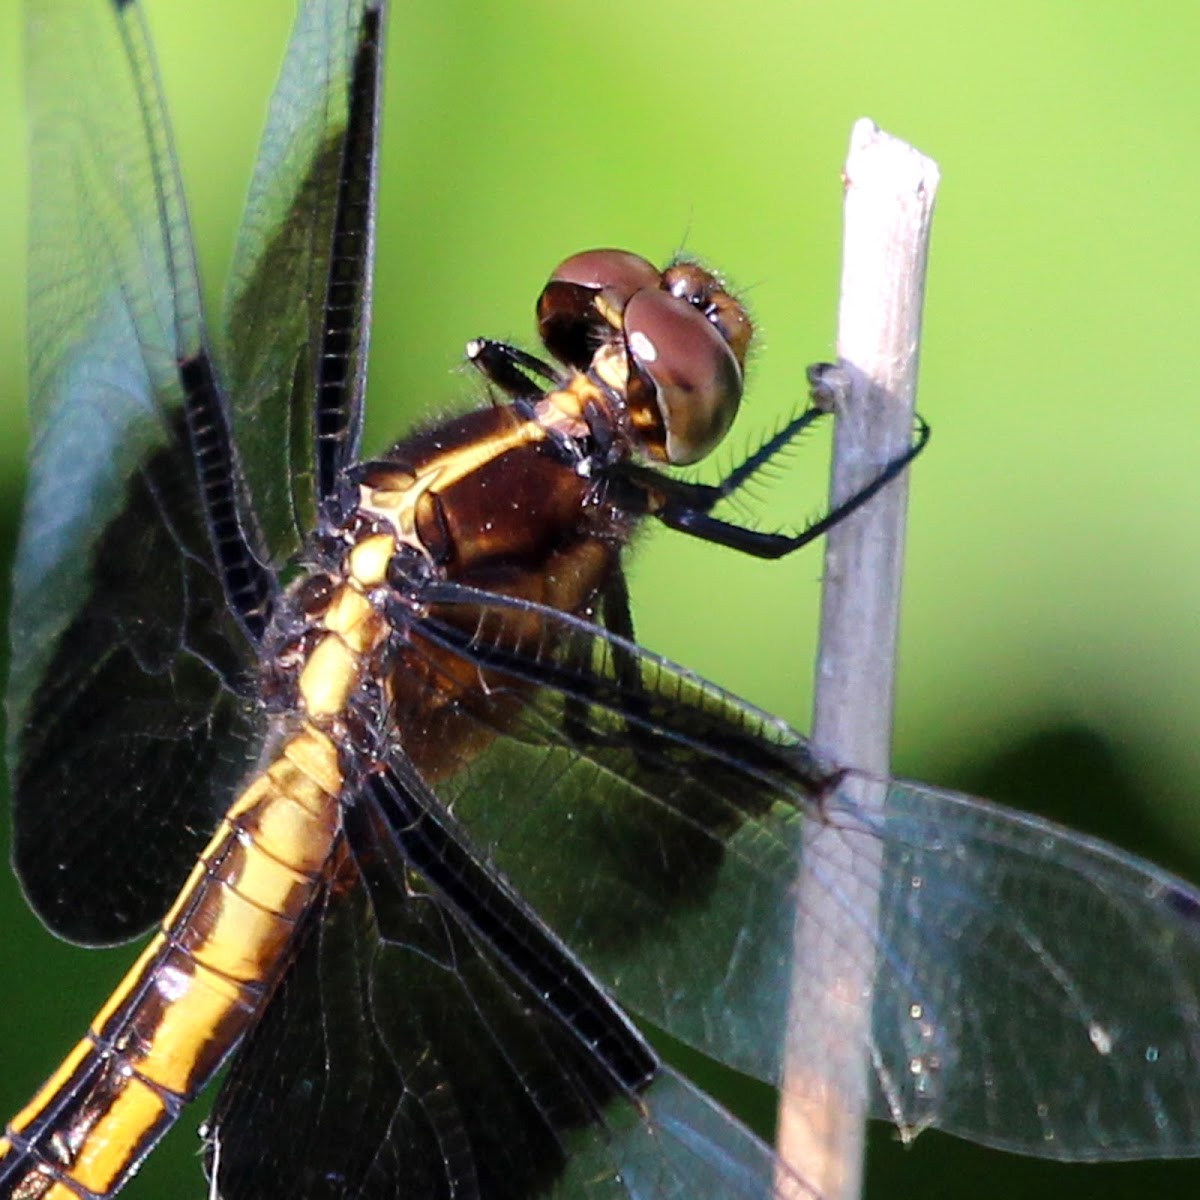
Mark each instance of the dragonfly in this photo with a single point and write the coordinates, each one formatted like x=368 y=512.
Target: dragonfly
x=369 y=745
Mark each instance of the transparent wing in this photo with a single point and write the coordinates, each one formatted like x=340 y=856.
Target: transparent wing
x=1035 y=989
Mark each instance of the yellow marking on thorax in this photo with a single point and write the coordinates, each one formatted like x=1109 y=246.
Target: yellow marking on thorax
x=397 y=500
x=326 y=681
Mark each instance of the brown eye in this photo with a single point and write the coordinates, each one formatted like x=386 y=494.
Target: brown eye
x=615 y=271
x=582 y=304
x=704 y=291
x=697 y=379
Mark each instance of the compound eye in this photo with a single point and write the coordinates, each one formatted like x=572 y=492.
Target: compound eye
x=582 y=305
x=616 y=272
x=697 y=380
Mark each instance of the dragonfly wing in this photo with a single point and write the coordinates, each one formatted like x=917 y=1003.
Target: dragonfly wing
x=123 y=699
x=411 y=1064
x=1035 y=989
x=298 y=306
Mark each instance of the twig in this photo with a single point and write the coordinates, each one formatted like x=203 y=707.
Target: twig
x=889 y=194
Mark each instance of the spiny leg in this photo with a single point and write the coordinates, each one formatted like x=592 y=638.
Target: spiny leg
x=688 y=507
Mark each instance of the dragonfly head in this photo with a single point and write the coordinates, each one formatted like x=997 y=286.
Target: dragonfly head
x=684 y=336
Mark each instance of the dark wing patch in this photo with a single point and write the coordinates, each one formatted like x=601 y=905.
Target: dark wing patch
x=413 y=1066
x=397 y=826
x=139 y=733
x=124 y=726
x=297 y=311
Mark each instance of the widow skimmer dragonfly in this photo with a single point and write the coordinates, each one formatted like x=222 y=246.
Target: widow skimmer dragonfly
x=514 y=817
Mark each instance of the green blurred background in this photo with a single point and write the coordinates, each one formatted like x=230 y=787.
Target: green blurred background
x=1050 y=654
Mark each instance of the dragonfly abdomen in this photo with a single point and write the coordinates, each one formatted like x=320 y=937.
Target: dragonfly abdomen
x=192 y=993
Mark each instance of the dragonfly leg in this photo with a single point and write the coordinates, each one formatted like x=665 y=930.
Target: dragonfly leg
x=688 y=507
x=510 y=368
x=616 y=616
